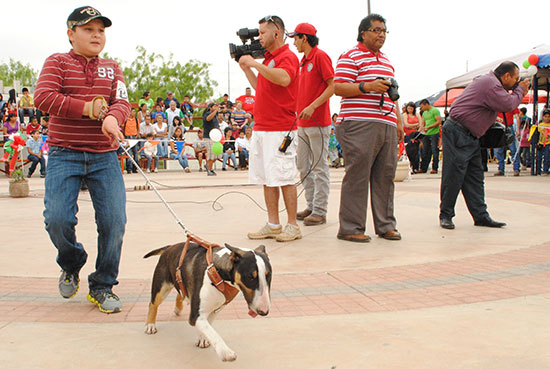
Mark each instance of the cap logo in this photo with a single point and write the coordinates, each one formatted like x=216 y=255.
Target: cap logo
x=90 y=11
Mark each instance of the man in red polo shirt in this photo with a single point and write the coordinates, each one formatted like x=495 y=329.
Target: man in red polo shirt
x=315 y=87
x=275 y=116
x=368 y=130
x=247 y=100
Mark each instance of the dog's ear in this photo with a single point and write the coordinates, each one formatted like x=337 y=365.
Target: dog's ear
x=236 y=253
x=261 y=249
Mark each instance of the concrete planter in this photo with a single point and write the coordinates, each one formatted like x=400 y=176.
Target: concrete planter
x=19 y=188
x=402 y=170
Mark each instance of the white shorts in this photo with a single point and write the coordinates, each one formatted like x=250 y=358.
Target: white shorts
x=267 y=165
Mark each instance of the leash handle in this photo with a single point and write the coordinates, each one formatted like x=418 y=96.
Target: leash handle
x=178 y=220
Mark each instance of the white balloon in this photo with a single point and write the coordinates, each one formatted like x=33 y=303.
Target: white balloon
x=215 y=135
x=532 y=70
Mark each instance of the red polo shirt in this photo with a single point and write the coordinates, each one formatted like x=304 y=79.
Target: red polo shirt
x=248 y=103
x=315 y=70
x=275 y=107
x=509 y=116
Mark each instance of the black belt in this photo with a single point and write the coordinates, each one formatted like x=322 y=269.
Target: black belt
x=461 y=126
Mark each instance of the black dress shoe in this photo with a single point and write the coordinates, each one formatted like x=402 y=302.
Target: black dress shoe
x=488 y=222
x=446 y=223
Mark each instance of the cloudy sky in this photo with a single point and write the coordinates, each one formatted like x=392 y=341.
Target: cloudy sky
x=430 y=41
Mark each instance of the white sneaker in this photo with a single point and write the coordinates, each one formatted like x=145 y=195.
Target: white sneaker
x=265 y=232
x=148 y=170
x=156 y=170
x=290 y=233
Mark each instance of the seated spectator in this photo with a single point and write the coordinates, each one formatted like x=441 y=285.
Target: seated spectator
x=242 y=145
x=33 y=125
x=172 y=112
x=226 y=105
x=229 y=149
x=161 y=134
x=222 y=122
x=179 y=155
x=176 y=122
x=235 y=131
x=333 y=149
x=45 y=126
x=11 y=104
x=143 y=111
x=187 y=109
x=170 y=97
x=238 y=115
x=150 y=152
x=2 y=108
x=247 y=100
x=147 y=99
x=26 y=105
x=11 y=125
x=158 y=111
x=35 y=155
x=200 y=149
x=160 y=101
x=131 y=131
x=145 y=128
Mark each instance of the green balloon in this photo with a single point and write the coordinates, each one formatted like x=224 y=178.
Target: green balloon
x=217 y=148
x=526 y=64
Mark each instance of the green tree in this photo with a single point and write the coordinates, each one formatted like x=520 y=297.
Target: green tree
x=157 y=74
x=15 y=70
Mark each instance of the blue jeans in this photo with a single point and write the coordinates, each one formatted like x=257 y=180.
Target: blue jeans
x=162 y=150
x=430 y=152
x=35 y=160
x=149 y=160
x=243 y=158
x=182 y=159
x=101 y=172
x=543 y=153
x=227 y=156
x=130 y=167
x=501 y=157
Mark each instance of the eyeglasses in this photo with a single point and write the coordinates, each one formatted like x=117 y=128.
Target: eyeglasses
x=378 y=30
x=271 y=18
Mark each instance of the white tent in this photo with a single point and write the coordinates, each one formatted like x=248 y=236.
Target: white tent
x=465 y=79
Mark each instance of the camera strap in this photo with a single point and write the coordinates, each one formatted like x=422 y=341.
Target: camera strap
x=381 y=105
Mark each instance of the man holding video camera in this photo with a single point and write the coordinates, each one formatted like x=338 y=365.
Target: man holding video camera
x=368 y=129
x=471 y=116
x=273 y=164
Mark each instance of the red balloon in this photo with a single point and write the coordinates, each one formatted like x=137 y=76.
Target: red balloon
x=533 y=59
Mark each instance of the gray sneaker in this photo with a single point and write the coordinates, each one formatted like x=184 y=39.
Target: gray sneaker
x=106 y=300
x=68 y=284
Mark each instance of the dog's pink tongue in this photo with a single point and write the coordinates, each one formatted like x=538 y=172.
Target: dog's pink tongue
x=252 y=313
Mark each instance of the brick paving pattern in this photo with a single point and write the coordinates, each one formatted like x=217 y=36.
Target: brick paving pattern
x=505 y=275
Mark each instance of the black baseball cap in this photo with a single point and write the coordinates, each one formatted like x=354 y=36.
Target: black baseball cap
x=81 y=16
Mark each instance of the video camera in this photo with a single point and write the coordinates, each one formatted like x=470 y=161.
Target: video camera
x=253 y=48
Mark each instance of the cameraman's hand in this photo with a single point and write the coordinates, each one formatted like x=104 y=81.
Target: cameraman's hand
x=307 y=113
x=246 y=62
x=378 y=85
x=526 y=83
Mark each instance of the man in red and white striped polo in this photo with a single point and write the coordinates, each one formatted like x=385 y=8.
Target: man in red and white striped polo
x=87 y=101
x=368 y=129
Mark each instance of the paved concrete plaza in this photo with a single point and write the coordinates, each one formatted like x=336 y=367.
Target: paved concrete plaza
x=472 y=297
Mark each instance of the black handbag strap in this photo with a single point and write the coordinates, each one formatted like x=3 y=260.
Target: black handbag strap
x=505 y=123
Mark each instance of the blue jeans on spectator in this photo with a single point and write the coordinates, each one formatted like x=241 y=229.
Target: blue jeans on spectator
x=22 y=112
x=227 y=156
x=543 y=159
x=130 y=167
x=101 y=172
x=150 y=159
x=243 y=158
x=35 y=160
x=162 y=150
x=501 y=157
x=430 y=152
x=182 y=159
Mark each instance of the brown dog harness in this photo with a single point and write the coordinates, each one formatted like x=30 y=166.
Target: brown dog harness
x=228 y=290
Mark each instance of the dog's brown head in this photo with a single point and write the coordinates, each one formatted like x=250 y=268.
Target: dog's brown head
x=252 y=274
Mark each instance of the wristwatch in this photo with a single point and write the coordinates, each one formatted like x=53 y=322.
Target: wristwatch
x=361 y=84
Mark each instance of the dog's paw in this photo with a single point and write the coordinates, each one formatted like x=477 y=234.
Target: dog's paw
x=177 y=311
x=151 y=328
x=202 y=343
x=227 y=355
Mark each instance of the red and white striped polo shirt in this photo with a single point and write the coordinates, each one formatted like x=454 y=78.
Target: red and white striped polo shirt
x=67 y=81
x=357 y=65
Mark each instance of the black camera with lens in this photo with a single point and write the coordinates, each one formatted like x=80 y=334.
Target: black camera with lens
x=393 y=90
x=252 y=48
